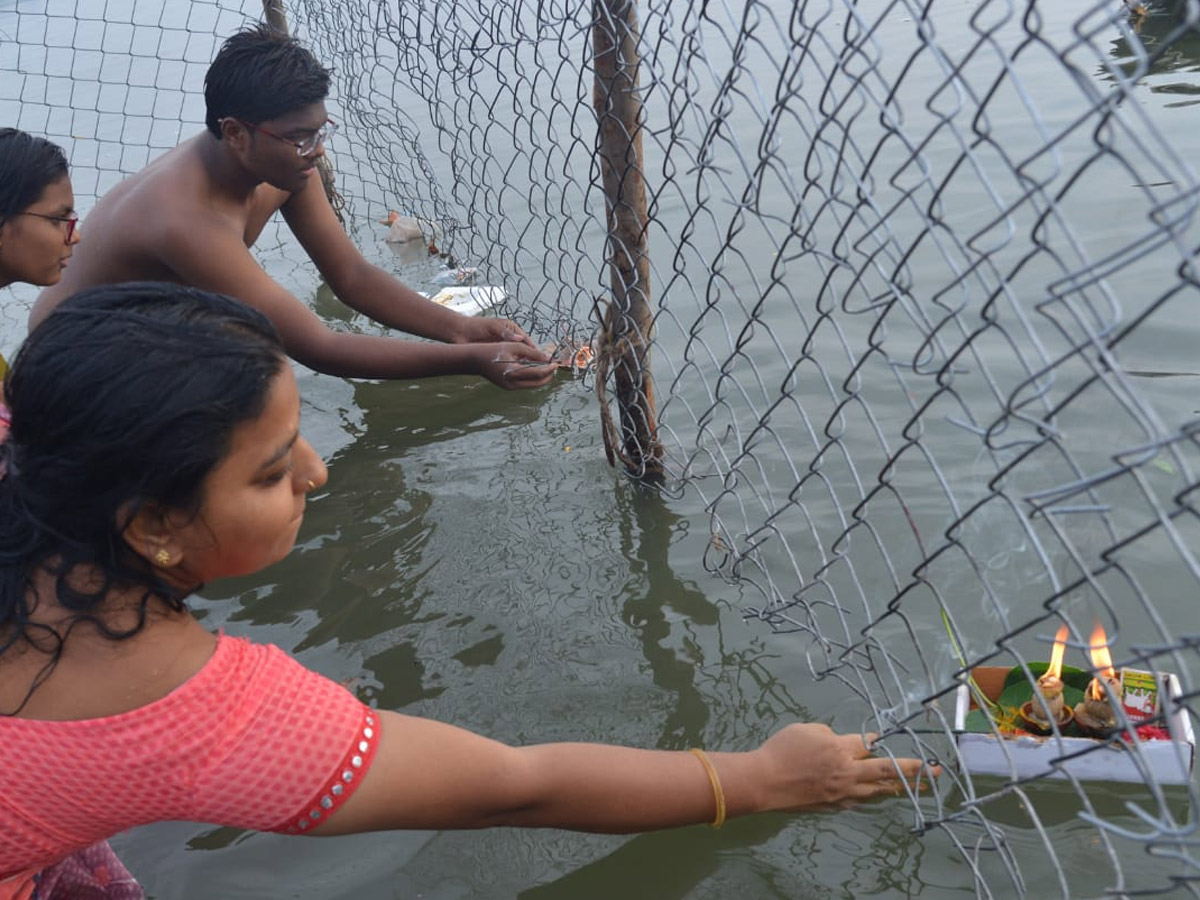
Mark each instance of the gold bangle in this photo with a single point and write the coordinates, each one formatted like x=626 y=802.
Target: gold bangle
x=718 y=794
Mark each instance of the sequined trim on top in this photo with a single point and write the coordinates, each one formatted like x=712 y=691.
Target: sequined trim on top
x=344 y=781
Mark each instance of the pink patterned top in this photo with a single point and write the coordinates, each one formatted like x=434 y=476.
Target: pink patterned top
x=252 y=740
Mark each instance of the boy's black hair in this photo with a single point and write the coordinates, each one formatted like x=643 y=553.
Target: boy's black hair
x=260 y=74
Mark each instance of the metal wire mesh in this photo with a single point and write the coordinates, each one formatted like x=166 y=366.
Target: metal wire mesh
x=922 y=279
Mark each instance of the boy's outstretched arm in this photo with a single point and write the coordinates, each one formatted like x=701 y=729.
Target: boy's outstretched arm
x=206 y=254
x=374 y=292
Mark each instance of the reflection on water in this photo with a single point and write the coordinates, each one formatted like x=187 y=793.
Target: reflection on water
x=646 y=535
x=1060 y=803
x=1168 y=35
x=636 y=868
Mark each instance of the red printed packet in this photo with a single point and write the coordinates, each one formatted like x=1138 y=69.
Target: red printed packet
x=1139 y=694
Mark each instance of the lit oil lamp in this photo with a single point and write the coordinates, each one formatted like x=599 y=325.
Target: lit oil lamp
x=1095 y=715
x=1044 y=711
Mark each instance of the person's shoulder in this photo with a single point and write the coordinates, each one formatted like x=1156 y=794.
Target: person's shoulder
x=174 y=200
x=153 y=223
x=145 y=203
x=178 y=178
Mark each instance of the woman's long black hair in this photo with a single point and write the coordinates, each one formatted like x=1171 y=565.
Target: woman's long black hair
x=127 y=394
x=27 y=165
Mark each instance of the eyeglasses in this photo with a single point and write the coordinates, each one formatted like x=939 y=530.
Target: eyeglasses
x=70 y=220
x=306 y=147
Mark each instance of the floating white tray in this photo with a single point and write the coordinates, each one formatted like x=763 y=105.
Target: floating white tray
x=1022 y=756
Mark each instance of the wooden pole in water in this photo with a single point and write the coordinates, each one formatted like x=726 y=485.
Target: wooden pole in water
x=276 y=18
x=274 y=15
x=627 y=322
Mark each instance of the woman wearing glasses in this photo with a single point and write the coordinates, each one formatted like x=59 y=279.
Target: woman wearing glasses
x=37 y=210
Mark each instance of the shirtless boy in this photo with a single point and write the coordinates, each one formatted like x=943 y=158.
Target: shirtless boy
x=192 y=215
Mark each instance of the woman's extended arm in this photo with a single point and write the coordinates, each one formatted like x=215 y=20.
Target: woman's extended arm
x=431 y=775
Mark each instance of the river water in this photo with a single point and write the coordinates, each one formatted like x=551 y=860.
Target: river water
x=475 y=559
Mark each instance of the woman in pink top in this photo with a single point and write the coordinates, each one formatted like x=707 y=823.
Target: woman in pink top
x=156 y=446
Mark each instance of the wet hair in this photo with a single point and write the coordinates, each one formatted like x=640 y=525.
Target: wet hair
x=260 y=74
x=27 y=165
x=126 y=395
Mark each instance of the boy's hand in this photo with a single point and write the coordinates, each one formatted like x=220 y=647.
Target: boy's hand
x=484 y=330
x=511 y=365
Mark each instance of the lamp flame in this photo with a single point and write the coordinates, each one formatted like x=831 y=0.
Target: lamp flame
x=1056 y=655
x=1101 y=661
x=1098 y=650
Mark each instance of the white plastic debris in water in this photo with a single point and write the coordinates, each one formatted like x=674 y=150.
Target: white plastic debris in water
x=402 y=229
x=455 y=277
x=470 y=300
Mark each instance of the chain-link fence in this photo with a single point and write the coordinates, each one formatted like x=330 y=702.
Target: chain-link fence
x=922 y=279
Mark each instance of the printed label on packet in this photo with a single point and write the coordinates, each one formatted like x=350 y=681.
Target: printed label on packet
x=1139 y=694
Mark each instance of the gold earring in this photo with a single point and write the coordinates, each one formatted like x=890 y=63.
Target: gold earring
x=312 y=485
x=163 y=558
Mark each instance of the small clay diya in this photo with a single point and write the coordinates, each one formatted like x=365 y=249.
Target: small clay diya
x=1047 y=706
x=1095 y=716
x=1031 y=714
